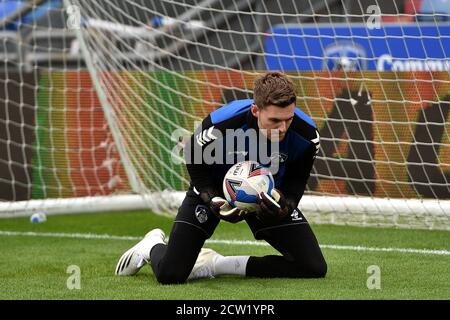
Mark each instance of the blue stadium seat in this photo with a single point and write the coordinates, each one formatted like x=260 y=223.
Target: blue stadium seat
x=434 y=11
x=8 y=7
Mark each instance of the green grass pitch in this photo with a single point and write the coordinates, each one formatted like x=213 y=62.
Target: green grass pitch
x=34 y=265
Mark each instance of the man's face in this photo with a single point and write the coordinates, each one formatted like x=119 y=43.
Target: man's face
x=274 y=119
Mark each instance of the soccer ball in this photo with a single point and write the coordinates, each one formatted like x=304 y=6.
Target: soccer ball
x=38 y=217
x=244 y=181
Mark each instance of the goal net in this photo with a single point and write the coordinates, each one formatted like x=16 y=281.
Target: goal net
x=98 y=98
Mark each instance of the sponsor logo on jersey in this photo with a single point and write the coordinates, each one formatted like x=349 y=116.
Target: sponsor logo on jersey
x=244 y=153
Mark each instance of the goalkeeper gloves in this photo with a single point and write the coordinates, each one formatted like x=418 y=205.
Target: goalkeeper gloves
x=225 y=211
x=221 y=208
x=272 y=208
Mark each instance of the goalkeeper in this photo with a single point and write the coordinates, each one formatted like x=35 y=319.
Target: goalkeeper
x=277 y=219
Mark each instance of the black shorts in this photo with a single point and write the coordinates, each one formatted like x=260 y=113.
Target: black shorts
x=261 y=230
x=195 y=213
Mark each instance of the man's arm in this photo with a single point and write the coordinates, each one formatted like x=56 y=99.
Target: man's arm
x=282 y=202
x=199 y=171
x=209 y=132
x=297 y=175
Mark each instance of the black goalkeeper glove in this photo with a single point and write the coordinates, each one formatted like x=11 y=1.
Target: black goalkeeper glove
x=273 y=208
x=221 y=208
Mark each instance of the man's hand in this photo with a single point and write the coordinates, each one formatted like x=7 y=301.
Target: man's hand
x=272 y=208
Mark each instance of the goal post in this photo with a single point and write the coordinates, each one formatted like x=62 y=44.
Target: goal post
x=106 y=100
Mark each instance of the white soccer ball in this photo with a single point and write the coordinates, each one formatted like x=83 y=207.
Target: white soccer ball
x=38 y=217
x=244 y=181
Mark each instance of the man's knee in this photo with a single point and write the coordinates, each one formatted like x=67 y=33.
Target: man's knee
x=312 y=269
x=319 y=269
x=168 y=276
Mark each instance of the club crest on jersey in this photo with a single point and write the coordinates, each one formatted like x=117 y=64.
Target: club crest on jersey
x=278 y=157
x=201 y=213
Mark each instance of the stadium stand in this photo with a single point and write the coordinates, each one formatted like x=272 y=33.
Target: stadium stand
x=40 y=37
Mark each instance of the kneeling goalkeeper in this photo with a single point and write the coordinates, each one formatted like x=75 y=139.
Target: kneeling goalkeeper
x=277 y=219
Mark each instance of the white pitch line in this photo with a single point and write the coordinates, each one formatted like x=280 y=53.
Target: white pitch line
x=67 y=235
x=337 y=247
x=216 y=241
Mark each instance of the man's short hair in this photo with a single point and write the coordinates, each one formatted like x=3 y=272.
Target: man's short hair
x=274 y=88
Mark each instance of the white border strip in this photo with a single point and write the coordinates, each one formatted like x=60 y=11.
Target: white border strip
x=377 y=212
x=323 y=204
x=228 y=242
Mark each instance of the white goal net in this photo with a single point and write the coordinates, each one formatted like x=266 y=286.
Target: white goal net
x=97 y=98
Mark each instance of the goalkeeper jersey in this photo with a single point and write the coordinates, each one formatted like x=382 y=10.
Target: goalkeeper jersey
x=293 y=158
